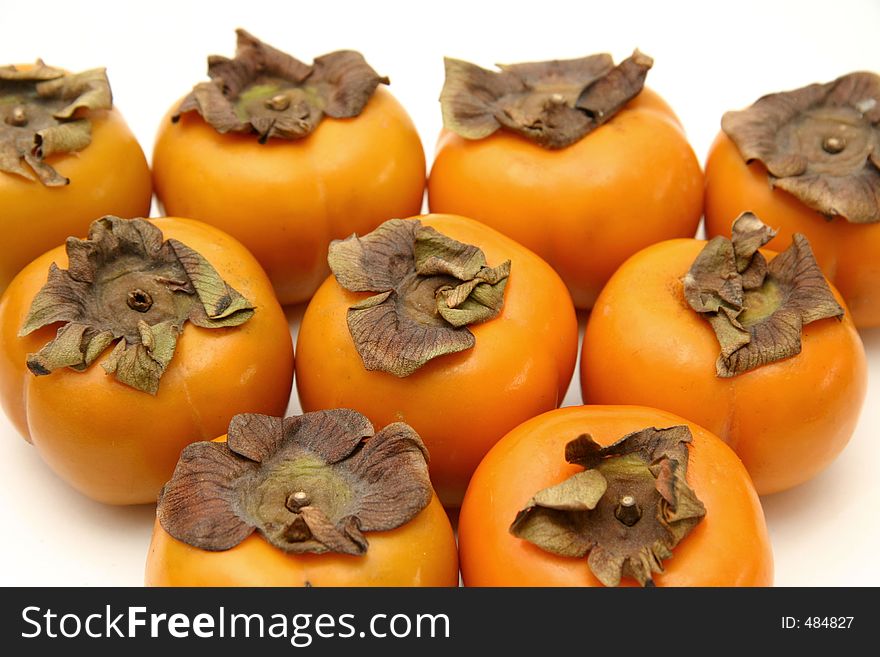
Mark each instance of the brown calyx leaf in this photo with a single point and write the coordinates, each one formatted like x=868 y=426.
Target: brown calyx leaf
x=43 y=111
x=266 y=91
x=310 y=483
x=756 y=309
x=820 y=143
x=430 y=288
x=626 y=511
x=554 y=103
x=125 y=284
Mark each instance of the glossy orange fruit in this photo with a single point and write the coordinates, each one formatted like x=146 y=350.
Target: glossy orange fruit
x=420 y=553
x=286 y=200
x=786 y=420
x=729 y=547
x=460 y=403
x=586 y=208
x=117 y=444
x=847 y=252
x=109 y=176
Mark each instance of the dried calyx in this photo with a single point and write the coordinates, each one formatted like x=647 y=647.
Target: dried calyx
x=309 y=483
x=44 y=111
x=820 y=143
x=554 y=103
x=269 y=93
x=756 y=309
x=125 y=283
x=626 y=511
x=430 y=288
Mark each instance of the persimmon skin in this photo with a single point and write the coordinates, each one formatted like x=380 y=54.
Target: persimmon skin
x=119 y=445
x=285 y=200
x=585 y=208
x=109 y=176
x=786 y=420
x=849 y=254
x=729 y=547
x=460 y=404
x=420 y=553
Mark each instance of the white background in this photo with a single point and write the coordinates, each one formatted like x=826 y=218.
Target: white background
x=709 y=57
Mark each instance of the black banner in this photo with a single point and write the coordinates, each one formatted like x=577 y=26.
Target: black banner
x=431 y=621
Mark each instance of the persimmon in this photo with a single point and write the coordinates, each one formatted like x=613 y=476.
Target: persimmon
x=806 y=161
x=562 y=154
x=466 y=334
x=66 y=157
x=608 y=495
x=289 y=157
x=181 y=316
x=763 y=355
x=319 y=499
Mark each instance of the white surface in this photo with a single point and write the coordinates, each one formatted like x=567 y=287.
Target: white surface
x=708 y=60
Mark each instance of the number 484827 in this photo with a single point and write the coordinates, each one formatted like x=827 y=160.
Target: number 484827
x=817 y=622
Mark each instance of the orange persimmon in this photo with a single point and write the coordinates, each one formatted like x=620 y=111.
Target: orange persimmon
x=299 y=534
x=628 y=183
x=49 y=195
x=787 y=419
x=848 y=253
x=728 y=547
x=421 y=553
x=286 y=195
x=802 y=161
x=518 y=364
x=116 y=439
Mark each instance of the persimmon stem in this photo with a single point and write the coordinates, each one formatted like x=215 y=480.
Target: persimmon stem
x=279 y=103
x=18 y=117
x=297 y=500
x=628 y=511
x=139 y=300
x=833 y=144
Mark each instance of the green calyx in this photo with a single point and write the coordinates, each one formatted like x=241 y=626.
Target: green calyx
x=125 y=284
x=267 y=92
x=429 y=289
x=554 y=104
x=820 y=143
x=626 y=511
x=44 y=111
x=312 y=483
x=757 y=309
